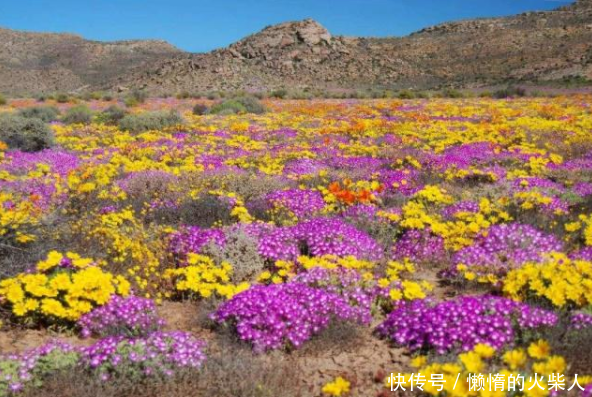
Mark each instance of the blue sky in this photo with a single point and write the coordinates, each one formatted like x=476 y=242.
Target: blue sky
x=200 y=25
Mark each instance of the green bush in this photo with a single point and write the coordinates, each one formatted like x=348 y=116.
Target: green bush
x=111 y=115
x=183 y=95
x=252 y=104
x=240 y=104
x=452 y=93
x=150 y=121
x=44 y=113
x=135 y=98
x=406 y=94
x=2 y=100
x=279 y=93
x=26 y=134
x=510 y=92
x=200 y=109
x=62 y=98
x=228 y=107
x=78 y=115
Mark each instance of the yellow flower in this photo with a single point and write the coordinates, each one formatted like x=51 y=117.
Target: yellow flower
x=338 y=387
x=484 y=351
x=419 y=361
x=515 y=358
x=472 y=362
x=539 y=349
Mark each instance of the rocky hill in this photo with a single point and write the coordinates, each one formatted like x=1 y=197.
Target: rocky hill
x=34 y=62
x=528 y=47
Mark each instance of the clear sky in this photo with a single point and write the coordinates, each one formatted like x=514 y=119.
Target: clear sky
x=202 y=25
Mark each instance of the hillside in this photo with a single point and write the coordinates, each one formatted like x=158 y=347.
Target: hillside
x=530 y=47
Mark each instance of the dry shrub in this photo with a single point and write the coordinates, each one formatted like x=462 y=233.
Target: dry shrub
x=227 y=373
x=241 y=251
x=573 y=344
x=339 y=336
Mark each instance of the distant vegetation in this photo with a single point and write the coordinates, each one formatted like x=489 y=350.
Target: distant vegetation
x=26 y=134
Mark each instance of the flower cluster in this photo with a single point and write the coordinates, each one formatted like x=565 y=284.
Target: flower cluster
x=462 y=323
x=319 y=237
x=158 y=354
x=558 y=280
x=62 y=288
x=502 y=248
x=203 y=278
x=131 y=316
x=283 y=315
x=30 y=367
x=518 y=369
x=299 y=203
x=420 y=246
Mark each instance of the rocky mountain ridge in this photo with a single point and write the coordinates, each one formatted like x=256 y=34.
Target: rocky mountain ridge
x=528 y=47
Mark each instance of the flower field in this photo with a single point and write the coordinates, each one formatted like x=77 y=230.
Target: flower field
x=338 y=241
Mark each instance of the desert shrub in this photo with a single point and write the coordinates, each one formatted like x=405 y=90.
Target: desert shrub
x=200 y=109
x=146 y=121
x=44 y=113
x=2 y=100
x=452 y=93
x=338 y=336
x=228 y=107
x=135 y=98
x=78 y=115
x=62 y=98
x=107 y=97
x=252 y=376
x=239 y=104
x=29 y=135
x=280 y=93
x=239 y=250
x=212 y=96
x=183 y=95
x=510 y=92
x=112 y=115
x=406 y=94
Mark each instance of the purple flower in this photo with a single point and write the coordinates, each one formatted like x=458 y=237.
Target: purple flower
x=504 y=247
x=283 y=315
x=460 y=324
x=130 y=316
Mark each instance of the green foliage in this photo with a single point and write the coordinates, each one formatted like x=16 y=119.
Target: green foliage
x=452 y=93
x=44 y=366
x=44 y=113
x=279 y=93
x=406 y=94
x=150 y=121
x=239 y=104
x=510 y=92
x=26 y=134
x=251 y=104
x=183 y=95
x=228 y=107
x=78 y=115
x=2 y=100
x=62 y=98
x=200 y=109
x=135 y=98
x=111 y=115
